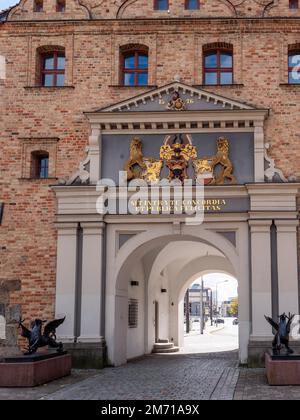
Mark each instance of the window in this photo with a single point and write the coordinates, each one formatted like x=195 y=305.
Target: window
x=39 y=165
x=38 y=6
x=218 y=67
x=192 y=4
x=53 y=69
x=61 y=6
x=294 y=67
x=161 y=4
x=133 y=313
x=135 y=68
x=294 y=4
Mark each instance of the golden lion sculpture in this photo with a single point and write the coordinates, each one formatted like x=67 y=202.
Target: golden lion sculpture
x=139 y=167
x=222 y=158
x=135 y=165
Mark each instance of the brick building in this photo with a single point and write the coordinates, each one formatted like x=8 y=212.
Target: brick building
x=79 y=79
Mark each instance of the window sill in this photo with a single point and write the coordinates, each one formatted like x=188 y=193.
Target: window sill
x=290 y=84
x=37 y=179
x=134 y=87
x=232 y=85
x=49 y=87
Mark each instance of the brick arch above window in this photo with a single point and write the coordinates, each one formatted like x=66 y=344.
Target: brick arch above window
x=216 y=45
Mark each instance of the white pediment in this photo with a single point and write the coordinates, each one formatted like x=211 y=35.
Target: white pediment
x=194 y=99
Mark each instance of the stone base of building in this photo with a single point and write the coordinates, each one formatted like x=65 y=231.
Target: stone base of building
x=30 y=371
x=258 y=349
x=87 y=355
x=284 y=372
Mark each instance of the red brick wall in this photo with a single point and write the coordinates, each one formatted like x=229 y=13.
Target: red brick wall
x=124 y=9
x=31 y=114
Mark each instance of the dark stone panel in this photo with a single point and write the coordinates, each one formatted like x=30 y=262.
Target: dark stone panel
x=116 y=151
x=87 y=355
x=123 y=238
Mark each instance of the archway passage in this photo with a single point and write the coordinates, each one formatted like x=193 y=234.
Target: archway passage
x=211 y=315
x=145 y=301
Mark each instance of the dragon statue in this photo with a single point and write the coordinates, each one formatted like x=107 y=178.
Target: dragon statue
x=282 y=336
x=38 y=338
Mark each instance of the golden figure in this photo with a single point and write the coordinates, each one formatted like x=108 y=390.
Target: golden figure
x=205 y=167
x=222 y=159
x=135 y=165
x=139 y=167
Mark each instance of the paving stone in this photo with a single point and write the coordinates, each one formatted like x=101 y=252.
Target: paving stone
x=163 y=377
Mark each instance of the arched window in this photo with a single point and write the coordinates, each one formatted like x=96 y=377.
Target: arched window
x=52 y=66
x=218 y=65
x=294 y=66
x=134 y=66
x=192 y=4
x=40 y=164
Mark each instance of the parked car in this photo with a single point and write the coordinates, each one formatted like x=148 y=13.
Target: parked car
x=220 y=321
x=235 y=322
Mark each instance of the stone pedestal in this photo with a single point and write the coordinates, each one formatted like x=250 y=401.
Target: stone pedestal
x=30 y=371
x=283 y=370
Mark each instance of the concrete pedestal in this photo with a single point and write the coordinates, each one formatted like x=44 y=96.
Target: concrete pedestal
x=30 y=371
x=283 y=370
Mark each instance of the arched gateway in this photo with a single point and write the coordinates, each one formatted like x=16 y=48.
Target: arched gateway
x=121 y=277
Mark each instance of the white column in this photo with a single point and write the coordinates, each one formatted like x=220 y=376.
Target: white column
x=92 y=246
x=261 y=277
x=66 y=278
x=259 y=152
x=287 y=247
x=94 y=153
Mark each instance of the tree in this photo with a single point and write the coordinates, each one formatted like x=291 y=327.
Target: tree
x=234 y=307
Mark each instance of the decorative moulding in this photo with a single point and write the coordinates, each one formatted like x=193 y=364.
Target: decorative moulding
x=271 y=170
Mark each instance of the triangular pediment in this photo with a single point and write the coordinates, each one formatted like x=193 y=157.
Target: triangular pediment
x=191 y=98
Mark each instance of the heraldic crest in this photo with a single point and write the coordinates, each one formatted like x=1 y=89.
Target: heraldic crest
x=177 y=154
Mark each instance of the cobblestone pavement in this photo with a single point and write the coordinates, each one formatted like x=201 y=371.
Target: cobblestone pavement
x=252 y=385
x=39 y=392
x=161 y=377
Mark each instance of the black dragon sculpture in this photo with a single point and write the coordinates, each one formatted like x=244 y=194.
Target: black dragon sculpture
x=38 y=338
x=282 y=336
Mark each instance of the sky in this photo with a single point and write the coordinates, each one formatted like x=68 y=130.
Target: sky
x=4 y=4
x=225 y=290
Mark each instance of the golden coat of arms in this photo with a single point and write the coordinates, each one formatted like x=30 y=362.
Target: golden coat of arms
x=176 y=153
x=176 y=103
